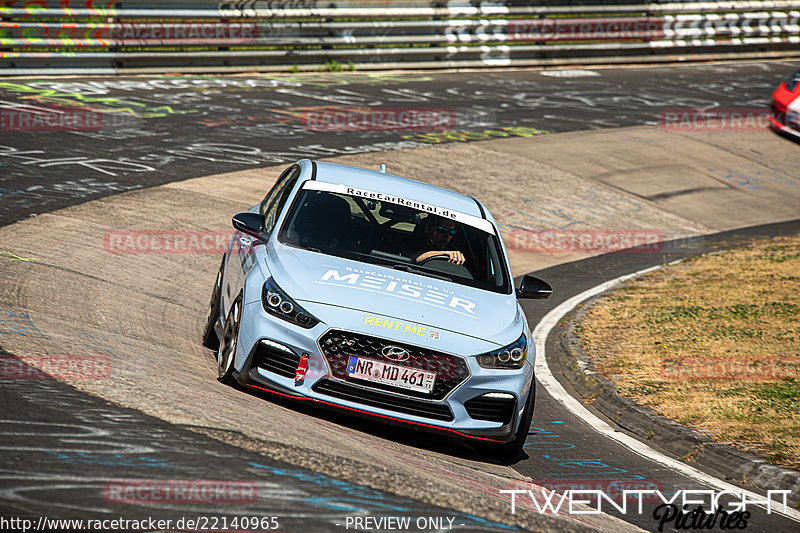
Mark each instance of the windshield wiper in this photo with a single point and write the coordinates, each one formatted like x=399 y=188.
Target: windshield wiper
x=408 y=268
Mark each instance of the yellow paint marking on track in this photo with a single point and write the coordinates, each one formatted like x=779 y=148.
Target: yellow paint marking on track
x=14 y=257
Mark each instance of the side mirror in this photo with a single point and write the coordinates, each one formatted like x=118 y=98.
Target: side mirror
x=252 y=224
x=532 y=287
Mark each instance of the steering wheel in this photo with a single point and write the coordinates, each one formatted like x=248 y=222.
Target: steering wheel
x=434 y=258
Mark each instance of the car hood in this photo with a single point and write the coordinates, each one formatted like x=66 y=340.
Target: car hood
x=378 y=291
x=783 y=97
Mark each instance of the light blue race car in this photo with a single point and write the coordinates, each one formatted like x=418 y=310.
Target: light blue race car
x=380 y=295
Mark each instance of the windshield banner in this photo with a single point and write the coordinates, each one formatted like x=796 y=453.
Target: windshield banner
x=480 y=223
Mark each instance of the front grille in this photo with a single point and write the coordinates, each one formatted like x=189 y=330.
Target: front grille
x=492 y=409
x=337 y=347
x=275 y=360
x=409 y=406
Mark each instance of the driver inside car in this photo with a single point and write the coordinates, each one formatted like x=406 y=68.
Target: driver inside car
x=435 y=239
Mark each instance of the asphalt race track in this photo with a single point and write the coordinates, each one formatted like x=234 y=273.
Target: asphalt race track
x=65 y=452
x=160 y=416
x=139 y=132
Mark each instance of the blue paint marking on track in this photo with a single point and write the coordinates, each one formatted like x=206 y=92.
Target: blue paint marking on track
x=112 y=460
x=16 y=323
x=573 y=468
x=363 y=498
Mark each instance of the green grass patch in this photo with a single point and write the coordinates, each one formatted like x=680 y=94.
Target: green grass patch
x=713 y=343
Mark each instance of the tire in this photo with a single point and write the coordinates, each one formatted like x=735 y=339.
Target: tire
x=210 y=339
x=230 y=340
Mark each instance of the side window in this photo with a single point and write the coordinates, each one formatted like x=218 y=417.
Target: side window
x=276 y=199
x=268 y=199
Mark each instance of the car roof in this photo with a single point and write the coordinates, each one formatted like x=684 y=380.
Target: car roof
x=393 y=185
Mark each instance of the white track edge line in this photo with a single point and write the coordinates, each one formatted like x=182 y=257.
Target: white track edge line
x=554 y=388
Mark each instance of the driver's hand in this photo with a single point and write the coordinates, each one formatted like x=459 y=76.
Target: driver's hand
x=456 y=257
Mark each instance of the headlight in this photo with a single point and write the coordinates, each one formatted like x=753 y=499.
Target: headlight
x=512 y=356
x=278 y=304
x=791 y=83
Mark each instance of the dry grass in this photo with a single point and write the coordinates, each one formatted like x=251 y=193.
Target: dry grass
x=713 y=343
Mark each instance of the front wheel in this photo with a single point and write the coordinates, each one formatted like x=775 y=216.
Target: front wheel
x=210 y=339
x=230 y=339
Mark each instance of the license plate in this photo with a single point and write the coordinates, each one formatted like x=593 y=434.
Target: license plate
x=389 y=374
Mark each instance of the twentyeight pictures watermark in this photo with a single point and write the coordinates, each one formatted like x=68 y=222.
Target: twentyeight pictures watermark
x=613 y=488
x=681 y=509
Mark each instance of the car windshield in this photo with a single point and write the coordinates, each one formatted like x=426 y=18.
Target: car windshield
x=399 y=234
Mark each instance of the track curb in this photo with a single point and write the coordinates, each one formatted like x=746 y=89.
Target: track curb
x=691 y=446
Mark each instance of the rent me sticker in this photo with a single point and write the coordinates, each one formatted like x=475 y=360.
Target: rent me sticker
x=409 y=328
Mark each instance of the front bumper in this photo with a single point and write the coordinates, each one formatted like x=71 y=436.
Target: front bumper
x=783 y=128
x=453 y=415
x=783 y=120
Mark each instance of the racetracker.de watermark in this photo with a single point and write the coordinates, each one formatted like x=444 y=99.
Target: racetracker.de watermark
x=246 y=32
x=178 y=492
x=216 y=523
x=167 y=241
x=558 y=241
x=55 y=367
x=586 y=29
x=29 y=117
x=392 y=118
x=752 y=368
x=51 y=118
x=742 y=119
x=379 y=119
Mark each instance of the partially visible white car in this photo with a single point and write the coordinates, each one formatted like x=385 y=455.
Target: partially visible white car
x=786 y=106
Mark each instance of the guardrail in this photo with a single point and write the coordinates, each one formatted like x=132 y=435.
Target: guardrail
x=68 y=36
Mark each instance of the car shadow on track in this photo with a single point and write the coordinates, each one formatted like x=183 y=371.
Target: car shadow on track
x=399 y=434
x=794 y=138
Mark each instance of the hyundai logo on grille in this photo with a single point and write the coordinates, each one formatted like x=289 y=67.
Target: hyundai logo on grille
x=395 y=353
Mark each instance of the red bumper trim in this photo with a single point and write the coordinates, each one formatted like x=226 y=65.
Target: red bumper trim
x=315 y=400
